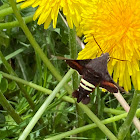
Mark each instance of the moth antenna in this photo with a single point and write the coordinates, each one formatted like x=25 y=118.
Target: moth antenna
x=97 y=44
x=102 y=50
x=117 y=59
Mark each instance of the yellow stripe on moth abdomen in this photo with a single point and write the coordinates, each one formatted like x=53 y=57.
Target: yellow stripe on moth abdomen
x=84 y=87
x=87 y=83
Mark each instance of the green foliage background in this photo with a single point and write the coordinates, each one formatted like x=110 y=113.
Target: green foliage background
x=60 y=116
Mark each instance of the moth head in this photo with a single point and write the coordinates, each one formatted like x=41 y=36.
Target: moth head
x=106 y=56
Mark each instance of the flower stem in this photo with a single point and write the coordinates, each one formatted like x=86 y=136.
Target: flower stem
x=126 y=107
x=93 y=117
x=77 y=38
x=75 y=82
x=113 y=111
x=126 y=125
x=36 y=46
x=73 y=54
x=85 y=128
x=85 y=108
x=88 y=127
x=44 y=106
x=9 y=108
x=66 y=98
x=46 y=61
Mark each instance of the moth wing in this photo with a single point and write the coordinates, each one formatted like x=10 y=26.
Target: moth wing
x=75 y=64
x=78 y=65
x=109 y=86
x=99 y=64
x=109 y=83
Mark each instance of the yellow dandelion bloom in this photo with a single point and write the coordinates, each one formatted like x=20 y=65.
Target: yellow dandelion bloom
x=48 y=10
x=116 y=26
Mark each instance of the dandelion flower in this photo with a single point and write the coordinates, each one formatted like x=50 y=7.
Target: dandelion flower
x=116 y=26
x=48 y=10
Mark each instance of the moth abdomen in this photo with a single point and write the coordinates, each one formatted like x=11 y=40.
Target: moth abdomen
x=81 y=96
x=87 y=84
x=82 y=93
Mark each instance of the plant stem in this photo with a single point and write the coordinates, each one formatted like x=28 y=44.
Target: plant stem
x=9 y=10
x=66 y=98
x=45 y=59
x=73 y=54
x=126 y=107
x=93 y=117
x=73 y=43
x=14 y=54
x=113 y=111
x=9 y=108
x=44 y=106
x=11 y=71
x=4 y=6
x=77 y=38
x=47 y=91
x=88 y=127
x=22 y=66
x=37 y=87
x=36 y=46
x=12 y=24
x=126 y=125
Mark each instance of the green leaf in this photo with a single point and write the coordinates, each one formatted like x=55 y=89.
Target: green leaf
x=1 y=77
x=57 y=30
x=12 y=85
x=2 y=119
x=3 y=85
x=4 y=39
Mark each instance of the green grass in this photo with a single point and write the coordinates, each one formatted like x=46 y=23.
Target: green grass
x=35 y=91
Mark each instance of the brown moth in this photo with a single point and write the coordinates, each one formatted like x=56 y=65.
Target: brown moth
x=93 y=73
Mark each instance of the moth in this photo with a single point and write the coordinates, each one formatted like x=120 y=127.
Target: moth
x=93 y=73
